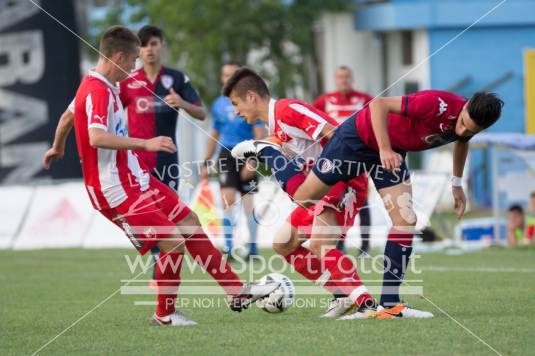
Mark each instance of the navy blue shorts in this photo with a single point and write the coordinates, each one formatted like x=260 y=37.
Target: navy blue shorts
x=345 y=157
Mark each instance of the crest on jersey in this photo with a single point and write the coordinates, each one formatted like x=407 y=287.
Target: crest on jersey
x=442 y=106
x=167 y=81
x=282 y=135
x=326 y=166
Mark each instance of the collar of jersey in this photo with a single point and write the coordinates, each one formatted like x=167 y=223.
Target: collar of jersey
x=102 y=78
x=271 y=115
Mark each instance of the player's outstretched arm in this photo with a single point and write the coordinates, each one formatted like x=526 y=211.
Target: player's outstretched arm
x=460 y=152
x=99 y=138
x=57 y=151
x=379 y=109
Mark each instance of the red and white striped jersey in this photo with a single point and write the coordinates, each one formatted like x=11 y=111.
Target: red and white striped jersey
x=340 y=106
x=298 y=125
x=109 y=175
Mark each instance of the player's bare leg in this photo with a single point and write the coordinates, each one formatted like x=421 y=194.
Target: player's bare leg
x=311 y=190
x=398 y=202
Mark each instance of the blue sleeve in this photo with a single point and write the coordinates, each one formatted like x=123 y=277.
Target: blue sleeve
x=184 y=88
x=215 y=111
x=258 y=123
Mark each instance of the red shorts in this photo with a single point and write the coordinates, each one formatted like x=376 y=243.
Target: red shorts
x=352 y=194
x=149 y=216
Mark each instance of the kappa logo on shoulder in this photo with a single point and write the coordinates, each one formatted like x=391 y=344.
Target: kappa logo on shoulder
x=136 y=84
x=442 y=106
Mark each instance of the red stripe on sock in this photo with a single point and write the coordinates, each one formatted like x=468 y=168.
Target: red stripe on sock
x=344 y=274
x=400 y=237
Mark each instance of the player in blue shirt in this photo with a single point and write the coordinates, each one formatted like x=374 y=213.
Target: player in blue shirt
x=227 y=131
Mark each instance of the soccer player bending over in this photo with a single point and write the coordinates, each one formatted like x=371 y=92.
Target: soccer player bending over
x=121 y=188
x=302 y=131
x=376 y=140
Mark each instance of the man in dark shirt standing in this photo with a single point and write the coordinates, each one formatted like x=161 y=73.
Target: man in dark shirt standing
x=149 y=116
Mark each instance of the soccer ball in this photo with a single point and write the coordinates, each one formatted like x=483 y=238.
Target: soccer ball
x=281 y=298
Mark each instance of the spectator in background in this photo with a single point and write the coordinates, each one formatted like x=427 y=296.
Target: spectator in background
x=343 y=102
x=339 y=105
x=515 y=225
x=530 y=219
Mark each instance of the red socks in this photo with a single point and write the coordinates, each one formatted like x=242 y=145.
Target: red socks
x=210 y=259
x=339 y=278
x=167 y=273
x=306 y=263
x=343 y=275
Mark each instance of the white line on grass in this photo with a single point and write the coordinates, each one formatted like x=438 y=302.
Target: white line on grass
x=477 y=269
x=462 y=326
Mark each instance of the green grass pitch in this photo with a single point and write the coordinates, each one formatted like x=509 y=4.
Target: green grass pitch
x=490 y=293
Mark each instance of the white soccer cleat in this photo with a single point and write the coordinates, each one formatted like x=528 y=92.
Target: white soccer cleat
x=402 y=311
x=251 y=148
x=250 y=293
x=368 y=310
x=363 y=313
x=173 y=319
x=338 y=307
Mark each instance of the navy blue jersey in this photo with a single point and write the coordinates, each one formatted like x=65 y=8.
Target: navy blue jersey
x=149 y=116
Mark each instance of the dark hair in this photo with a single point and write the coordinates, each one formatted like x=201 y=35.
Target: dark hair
x=231 y=63
x=484 y=108
x=344 y=67
x=245 y=79
x=532 y=195
x=118 y=39
x=516 y=208
x=146 y=32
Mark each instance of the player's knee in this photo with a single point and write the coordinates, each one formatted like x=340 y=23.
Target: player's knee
x=284 y=240
x=172 y=244
x=190 y=220
x=280 y=248
x=405 y=219
x=318 y=244
x=285 y=248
